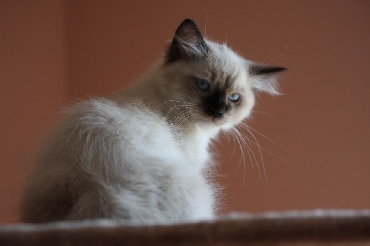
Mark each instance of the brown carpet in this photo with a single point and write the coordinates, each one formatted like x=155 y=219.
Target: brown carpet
x=320 y=227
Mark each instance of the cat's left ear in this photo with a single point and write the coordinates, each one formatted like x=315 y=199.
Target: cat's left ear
x=264 y=78
x=187 y=44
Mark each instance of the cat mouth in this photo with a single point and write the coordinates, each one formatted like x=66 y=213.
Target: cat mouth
x=218 y=120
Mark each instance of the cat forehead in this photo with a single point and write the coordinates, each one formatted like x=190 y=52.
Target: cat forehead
x=224 y=64
x=223 y=50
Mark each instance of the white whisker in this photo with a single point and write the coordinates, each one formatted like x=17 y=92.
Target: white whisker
x=250 y=151
x=264 y=113
x=241 y=150
x=268 y=63
x=260 y=152
x=205 y=25
x=232 y=155
x=247 y=127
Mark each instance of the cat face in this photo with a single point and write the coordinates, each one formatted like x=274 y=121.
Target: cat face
x=214 y=90
x=210 y=84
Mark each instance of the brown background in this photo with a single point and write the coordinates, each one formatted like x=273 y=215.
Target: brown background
x=52 y=52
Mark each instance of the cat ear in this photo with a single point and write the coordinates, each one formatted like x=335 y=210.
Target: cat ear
x=265 y=77
x=187 y=43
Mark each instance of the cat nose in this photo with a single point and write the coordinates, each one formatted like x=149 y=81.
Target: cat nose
x=217 y=110
x=216 y=104
x=217 y=114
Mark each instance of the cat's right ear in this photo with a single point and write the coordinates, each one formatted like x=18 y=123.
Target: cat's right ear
x=187 y=44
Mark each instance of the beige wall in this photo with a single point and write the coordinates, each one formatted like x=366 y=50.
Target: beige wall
x=56 y=51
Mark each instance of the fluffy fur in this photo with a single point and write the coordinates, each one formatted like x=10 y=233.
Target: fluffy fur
x=141 y=155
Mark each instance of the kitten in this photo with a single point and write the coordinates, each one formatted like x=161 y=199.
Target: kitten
x=141 y=155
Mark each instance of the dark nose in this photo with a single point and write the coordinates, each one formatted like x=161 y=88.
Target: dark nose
x=216 y=105
x=217 y=108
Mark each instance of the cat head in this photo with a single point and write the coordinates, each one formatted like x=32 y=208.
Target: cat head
x=210 y=84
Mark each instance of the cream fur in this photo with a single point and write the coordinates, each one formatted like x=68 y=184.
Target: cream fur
x=141 y=155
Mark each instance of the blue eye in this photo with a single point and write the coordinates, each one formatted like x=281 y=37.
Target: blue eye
x=203 y=84
x=234 y=97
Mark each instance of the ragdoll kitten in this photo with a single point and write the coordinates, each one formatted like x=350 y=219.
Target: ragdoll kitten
x=141 y=155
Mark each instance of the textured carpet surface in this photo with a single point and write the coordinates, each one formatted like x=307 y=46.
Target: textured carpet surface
x=319 y=227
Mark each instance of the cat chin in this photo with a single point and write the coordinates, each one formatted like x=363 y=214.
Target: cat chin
x=214 y=123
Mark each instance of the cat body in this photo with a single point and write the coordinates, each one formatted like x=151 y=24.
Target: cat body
x=142 y=155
